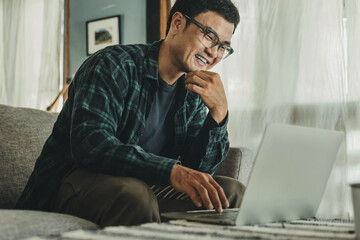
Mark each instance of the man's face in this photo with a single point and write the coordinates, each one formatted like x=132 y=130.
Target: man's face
x=190 y=53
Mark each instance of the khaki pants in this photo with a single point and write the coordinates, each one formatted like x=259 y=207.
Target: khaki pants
x=109 y=201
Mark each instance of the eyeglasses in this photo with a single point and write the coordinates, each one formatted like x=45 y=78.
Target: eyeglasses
x=210 y=39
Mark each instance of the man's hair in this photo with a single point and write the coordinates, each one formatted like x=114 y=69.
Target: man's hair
x=192 y=8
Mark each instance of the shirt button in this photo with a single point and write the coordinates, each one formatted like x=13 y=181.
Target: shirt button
x=141 y=133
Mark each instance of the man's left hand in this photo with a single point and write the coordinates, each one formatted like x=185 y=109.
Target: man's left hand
x=211 y=90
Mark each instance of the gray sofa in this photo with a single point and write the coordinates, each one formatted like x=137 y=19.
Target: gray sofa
x=23 y=132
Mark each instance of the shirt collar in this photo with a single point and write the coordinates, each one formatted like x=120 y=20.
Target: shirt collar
x=151 y=61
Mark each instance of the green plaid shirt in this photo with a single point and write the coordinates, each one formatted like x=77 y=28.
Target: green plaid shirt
x=104 y=116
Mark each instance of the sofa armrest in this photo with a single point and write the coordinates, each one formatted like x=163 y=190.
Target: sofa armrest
x=237 y=164
x=23 y=132
x=247 y=162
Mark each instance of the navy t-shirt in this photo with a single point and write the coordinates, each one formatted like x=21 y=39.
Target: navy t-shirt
x=159 y=130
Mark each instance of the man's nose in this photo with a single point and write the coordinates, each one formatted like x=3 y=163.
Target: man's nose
x=212 y=52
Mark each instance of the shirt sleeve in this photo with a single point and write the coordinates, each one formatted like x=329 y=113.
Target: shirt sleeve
x=98 y=106
x=207 y=143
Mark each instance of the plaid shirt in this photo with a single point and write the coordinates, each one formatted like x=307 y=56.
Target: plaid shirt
x=104 y=116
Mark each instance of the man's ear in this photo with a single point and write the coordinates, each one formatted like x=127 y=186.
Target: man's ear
x=177 y=22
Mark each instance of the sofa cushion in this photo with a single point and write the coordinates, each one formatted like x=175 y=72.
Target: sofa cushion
x=23 y=132
x=231 y=164
x=237 y=164
x=19 y=224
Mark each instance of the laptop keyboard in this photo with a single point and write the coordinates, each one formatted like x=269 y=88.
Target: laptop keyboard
x=224 y=215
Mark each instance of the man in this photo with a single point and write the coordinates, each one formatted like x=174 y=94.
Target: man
x=134 y=138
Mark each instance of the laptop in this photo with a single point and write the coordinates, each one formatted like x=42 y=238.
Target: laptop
x=288 y=178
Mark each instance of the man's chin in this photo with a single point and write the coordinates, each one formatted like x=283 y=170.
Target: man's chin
x=198 y=68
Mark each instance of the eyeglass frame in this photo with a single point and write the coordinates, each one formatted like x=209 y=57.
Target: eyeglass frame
x=207 y=30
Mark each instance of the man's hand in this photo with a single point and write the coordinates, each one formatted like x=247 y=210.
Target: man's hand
x=201 y=187
x=211 y=90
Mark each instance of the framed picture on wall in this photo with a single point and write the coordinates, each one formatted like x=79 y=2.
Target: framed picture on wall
x=102 y=32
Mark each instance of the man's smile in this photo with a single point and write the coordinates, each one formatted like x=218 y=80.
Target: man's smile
x=202 y=60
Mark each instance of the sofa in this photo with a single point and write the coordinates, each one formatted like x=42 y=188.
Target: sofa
x=23 y=132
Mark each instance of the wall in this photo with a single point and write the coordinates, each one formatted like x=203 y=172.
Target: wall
x=133 y=23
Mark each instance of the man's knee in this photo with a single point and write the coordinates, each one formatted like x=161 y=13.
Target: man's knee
x=105 y=200
x=132 y=202
x=234 y=190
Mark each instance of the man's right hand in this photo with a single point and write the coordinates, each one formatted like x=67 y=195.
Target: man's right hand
x=201 y=187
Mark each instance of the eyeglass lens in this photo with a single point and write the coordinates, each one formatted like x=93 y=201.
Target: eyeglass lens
x=210 y=40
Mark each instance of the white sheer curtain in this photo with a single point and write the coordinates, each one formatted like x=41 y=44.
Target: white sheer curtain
x=29 y=58
x=3 y=95
x=294 y=63
x=352 y=11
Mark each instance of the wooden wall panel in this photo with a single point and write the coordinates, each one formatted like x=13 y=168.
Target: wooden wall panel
x=165 y=6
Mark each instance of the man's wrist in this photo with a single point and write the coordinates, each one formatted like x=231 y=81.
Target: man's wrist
x=173 y=175
x=216 y=123
x=219 y=116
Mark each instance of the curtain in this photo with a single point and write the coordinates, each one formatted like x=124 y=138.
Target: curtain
x=29 y=59
x=297 y=62
x=3 y=95
x=352 y=14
